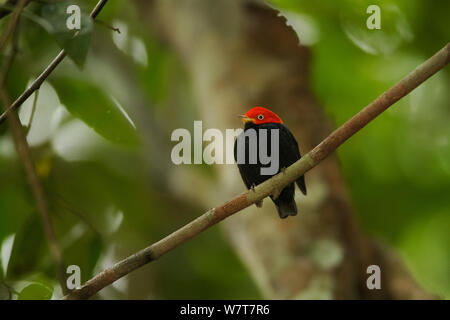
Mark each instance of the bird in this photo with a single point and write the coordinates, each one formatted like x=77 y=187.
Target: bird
x=288 y=152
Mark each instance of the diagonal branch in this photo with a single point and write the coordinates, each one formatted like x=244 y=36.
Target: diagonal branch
x=12 y=23
x=270 y=186
x=39 y=80
x=23 y=150
x=5 y=10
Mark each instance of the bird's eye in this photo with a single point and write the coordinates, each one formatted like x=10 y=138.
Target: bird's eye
x=260 y=117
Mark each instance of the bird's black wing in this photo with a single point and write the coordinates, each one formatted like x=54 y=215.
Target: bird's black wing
x=250 y=173
x=289 y=153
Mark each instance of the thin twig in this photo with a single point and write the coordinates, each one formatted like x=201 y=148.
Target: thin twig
x=8 y=7
x=102 y=23
x=12 y=23
x=24 y=150
x=270 y=186
x=39 y=80
x=24 y=153
x=33 y=109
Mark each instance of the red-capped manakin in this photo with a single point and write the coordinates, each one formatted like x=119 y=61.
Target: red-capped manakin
x=288 y=152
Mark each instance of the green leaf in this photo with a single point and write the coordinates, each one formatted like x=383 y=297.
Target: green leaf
x=36 y=291
x=14 y=206
x=28 y=249
x=98 y=110
x=15 y=84
x=85 y=253
x=74 y=42
x=5 y=293
x=30 y=16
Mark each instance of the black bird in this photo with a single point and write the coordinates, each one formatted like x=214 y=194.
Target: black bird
x=288 y=152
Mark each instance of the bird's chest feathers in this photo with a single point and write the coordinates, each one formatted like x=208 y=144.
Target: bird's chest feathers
x=267 y=147
x=258 y=148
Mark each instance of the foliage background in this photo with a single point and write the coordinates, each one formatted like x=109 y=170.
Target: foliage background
x=100 y=139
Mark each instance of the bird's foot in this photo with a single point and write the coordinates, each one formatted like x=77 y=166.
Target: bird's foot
x=253 y=187
x=275 y=194
x=259 y=203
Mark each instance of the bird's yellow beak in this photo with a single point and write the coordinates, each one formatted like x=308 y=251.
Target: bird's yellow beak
x=246 y=119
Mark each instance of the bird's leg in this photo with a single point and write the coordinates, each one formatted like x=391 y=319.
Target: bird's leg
x=257 y=203
x=276 y=193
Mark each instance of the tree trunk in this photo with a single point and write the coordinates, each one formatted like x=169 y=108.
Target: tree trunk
x=241 y=54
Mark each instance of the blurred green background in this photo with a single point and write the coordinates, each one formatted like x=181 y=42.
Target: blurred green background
x=105 y=182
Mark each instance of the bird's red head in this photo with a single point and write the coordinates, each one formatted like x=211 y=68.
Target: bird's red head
x=260 y=115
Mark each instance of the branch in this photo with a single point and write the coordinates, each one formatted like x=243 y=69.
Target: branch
x=106 y=25
x=5 y=10
x=39 y=80
x=12 y=23
x=22 y=146
x=33 y=110
x=23 y=151
x=270 y=186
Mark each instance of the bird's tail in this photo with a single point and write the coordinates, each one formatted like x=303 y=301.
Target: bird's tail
x=286 y=208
